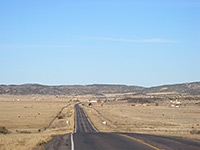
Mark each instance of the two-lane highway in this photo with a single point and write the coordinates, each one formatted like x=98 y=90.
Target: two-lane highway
x=82 y=123
x=86 y=137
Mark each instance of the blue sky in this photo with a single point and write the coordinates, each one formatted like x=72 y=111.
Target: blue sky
x=145 y=43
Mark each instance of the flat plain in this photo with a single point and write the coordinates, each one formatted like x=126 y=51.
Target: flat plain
x=32 y=120
x=160 y=120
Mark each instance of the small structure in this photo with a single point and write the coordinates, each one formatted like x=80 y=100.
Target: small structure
x=98 y=104
x=144 y=105
x=92 y=101
x=175 y=104
x=139 y=105
x=104 y=122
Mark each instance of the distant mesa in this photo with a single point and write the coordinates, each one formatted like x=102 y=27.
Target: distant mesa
x=98 y=89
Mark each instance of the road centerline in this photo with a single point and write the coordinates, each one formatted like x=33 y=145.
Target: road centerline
x=140 y=141
x=82 y=121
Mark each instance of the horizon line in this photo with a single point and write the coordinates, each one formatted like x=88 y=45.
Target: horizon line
x=109 y=84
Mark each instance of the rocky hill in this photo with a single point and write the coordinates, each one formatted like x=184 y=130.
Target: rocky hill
x=97 y=89
x=185 y=88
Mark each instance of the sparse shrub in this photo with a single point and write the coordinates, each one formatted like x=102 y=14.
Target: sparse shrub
x=195 y=132
x=128 y=129
x=3 y=130
x=23 y=131
x=61 y=116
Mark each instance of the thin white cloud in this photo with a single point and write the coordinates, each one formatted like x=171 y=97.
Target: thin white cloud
x=41 y=47
x=35 y=46
x=156 y=40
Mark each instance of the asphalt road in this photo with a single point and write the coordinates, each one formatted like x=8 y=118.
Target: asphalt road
x=82 y=123
x=86 y=137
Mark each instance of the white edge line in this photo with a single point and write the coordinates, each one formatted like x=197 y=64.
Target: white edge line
x=72 y=142
x=72 y=139
x=75 y=119
x=89 y=121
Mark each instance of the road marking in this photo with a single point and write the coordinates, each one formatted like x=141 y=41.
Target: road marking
x=75 y=114
x=72 y=142
x=89 y=127
x=81 y=128
x=78 y=123
x=79 y=111
x=89 y=121
x=84 y=125
x=140 y=141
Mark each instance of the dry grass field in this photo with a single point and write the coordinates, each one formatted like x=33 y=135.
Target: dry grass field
x=160 y=120
x=32 y=119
